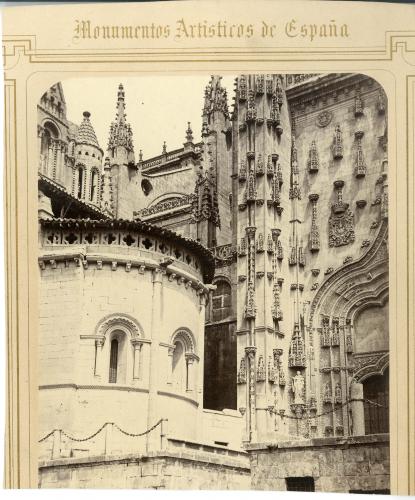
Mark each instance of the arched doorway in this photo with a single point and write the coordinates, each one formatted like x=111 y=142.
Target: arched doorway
x=376 y=403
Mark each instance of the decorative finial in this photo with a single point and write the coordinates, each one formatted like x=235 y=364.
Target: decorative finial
x=121 y=94
x=140 y=156
x=86 y=114
x=164 y=148
x=189 y=133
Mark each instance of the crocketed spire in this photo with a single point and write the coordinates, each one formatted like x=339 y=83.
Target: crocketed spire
x=86 y=132
x=215 y=98
x=120 y=131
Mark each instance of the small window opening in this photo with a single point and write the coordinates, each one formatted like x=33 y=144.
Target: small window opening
x=113 y=361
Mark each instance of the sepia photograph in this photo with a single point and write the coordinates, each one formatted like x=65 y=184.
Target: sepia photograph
x=213 y=282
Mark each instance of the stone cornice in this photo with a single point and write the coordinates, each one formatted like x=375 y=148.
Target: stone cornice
x=100 y=387
x=331 y=86
x=178 y=396
x=173 y=273
x=336 y=442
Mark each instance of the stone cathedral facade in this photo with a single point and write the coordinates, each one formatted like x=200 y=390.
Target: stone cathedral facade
x=271 y=232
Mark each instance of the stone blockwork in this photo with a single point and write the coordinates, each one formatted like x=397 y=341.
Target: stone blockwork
x=336 y=465
x=178 y=469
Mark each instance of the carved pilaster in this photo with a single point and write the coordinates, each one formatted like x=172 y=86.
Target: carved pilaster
x=292 y=259
x=251 y=110
x=250 y=309
x=314 y=239
x=242 y=88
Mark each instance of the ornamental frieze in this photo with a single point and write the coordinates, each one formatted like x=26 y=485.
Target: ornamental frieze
x=165 y=205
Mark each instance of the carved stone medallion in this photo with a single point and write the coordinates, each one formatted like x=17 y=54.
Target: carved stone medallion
x=324 y=118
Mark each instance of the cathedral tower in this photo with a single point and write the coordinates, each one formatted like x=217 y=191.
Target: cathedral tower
x=86 y=178
x=213 y=186
x=120 y=153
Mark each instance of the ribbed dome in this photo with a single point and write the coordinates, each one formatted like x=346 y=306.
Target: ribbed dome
x=86 y=132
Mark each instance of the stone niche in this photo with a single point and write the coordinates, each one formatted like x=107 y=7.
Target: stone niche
x=371 y=328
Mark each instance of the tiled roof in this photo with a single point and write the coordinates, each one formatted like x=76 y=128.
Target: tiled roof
x=86 y=132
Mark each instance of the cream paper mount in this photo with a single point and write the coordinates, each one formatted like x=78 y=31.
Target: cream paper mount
x=325 y=103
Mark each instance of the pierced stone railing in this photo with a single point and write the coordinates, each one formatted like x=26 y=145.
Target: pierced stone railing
x=129 y=239
x=293 y=80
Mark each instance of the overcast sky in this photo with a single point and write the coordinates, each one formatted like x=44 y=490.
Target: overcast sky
x=158 y=107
